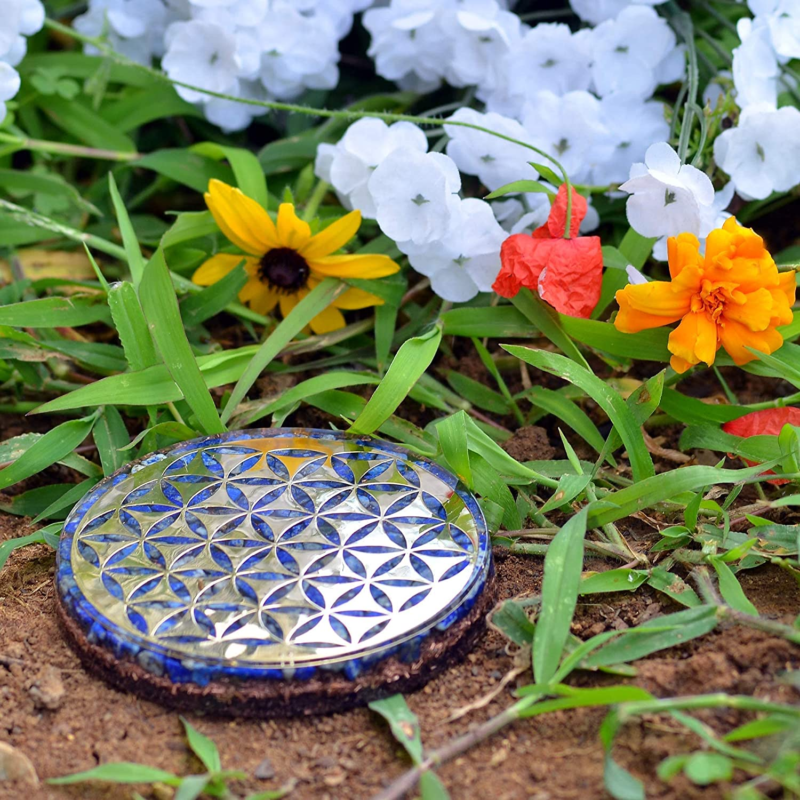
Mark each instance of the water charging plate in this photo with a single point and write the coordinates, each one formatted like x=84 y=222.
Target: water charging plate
x=278 y=571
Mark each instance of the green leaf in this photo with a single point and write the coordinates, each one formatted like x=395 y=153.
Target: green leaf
x=570 y=414
x=673 y=586
x=203 y=747
x=287 y=155
x=137 y=108
x=707 y=768
x=303 y=390
x=477 y=394
x=43 y=183
x=37 y=537
x=160 y=308
x=488 y=483
x=585 y=698
x=562 y=574
x=129 y=240
x=512 y=621
x=110 y=435
x=85 y=125
x=246 y=169
x=128 y=318
x=642 y=403
x=654 y=635
x=412 y=359
x=759 y=728
x=188 y=226
x=66 y=501
x=35 y=501
x=452 y=432
x=55 y=312
x=431 y=787
x=618 y=412
x=199 y=307
x=316 y=301
x=613 y=580
x=546 y=319
x=547 y=173
x=403 y=722
x=569 y=487
x=191 y=787
x=517 y=187
x=50 y=448
x=730 y=588
x=120 y=772
x=619 y=783
x=636 y=248
x=190 y=169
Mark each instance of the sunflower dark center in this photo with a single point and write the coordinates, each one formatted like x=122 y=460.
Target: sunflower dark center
x=284 y=269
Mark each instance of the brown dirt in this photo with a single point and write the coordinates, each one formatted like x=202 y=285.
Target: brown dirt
x=353 y=755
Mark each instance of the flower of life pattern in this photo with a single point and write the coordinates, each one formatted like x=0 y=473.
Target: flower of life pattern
x=276 y=550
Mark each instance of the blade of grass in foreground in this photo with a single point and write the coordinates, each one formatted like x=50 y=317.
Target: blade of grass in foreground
x=316 y=301
x=160 y=307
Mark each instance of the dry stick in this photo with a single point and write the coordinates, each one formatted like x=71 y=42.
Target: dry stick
x=408 y=780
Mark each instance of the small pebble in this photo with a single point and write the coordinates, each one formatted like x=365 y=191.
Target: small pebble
x=48 y=689
x=15 y=765
x=264 y=771
x=496 y=674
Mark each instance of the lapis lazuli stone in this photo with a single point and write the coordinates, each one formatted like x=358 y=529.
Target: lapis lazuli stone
x=272 y=554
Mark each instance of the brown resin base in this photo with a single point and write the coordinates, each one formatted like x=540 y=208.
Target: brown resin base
x=325 y=693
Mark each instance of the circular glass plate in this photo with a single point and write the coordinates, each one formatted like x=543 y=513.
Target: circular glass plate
x=271 y=553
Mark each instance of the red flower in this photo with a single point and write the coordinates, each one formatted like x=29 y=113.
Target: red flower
x=567 y=273
x=768 y=422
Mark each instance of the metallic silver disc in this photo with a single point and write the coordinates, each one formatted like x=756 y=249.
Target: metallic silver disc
x=271 y=553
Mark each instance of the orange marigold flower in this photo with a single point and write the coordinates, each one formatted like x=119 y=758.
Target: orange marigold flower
x=731 y=297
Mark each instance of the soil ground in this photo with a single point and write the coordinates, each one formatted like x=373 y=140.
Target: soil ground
x=353 y=755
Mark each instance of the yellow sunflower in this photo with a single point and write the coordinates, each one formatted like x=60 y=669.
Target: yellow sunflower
x=284 y=261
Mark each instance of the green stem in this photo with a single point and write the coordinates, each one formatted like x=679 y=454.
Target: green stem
x=60 y=148
x=718 y=700
x=314 y=201
x=293 y=108
x=29 y=217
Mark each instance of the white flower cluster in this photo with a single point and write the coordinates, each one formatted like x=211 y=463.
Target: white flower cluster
x=20 y=18
x=388 y=173
x=256 y=49
x=762 y=153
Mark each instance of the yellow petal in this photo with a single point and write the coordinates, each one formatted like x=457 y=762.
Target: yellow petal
x=241 y=219
x=736 y=337
x=355 y=266
x=289 y=301
x=331 y=319
x=357 y=298
x=755 y=312
x=335 y=236
x=695 y=339
x=650 y=305
x=293 y=232
x=264 y=301
x=217 y=267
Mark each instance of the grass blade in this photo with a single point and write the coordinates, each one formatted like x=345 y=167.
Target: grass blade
x=129 y=240
x=47 y=450
x=562 y=576
x=164 y=320
x=317 y=300
x=412 y=359
x=614 y=406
